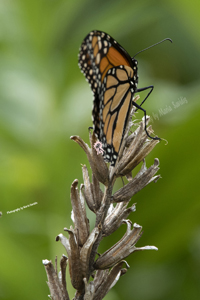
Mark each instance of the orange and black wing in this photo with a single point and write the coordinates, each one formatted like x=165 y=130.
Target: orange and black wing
x=112 y=75
x=116 y=97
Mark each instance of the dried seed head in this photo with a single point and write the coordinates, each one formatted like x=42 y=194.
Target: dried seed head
x=121 y=249
x=97 y=163
x=115 y=218
x=143 y=178
x=73 y=252
x=86 y=252
x=79 y=214
x=107 y=279
x=87 y=190
x=136 y=147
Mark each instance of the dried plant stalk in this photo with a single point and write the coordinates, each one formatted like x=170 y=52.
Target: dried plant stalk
x=111 y=212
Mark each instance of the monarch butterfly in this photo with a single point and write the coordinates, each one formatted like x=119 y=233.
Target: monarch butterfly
x=112 y=75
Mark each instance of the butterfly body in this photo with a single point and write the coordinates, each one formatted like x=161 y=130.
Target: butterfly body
x=112 y=75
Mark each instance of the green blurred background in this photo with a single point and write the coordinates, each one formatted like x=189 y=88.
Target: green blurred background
x=44 y=99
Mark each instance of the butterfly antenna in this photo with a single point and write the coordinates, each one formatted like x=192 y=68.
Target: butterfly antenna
x=152 y=46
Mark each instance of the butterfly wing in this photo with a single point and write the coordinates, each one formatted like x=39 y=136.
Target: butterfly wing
x=115 y=106
x=99 y=55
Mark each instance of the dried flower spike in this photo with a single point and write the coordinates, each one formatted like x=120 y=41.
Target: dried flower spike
x=111 y=211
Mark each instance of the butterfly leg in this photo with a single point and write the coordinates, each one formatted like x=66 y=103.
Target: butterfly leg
x=139 y=107
x=144 y=89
